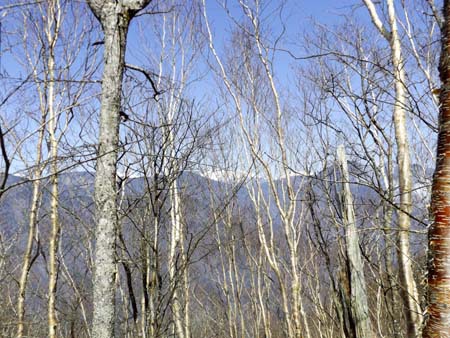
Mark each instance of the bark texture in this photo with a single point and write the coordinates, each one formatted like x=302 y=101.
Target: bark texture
x=52 y=31
x=438 y=312
x=408 y=289
x=28 y=259
x=114 y=17
x=355 y=269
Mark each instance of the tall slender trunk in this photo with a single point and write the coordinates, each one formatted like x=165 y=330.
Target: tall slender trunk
x=186 y=295
x=153 y=281
x=145 y=252
x=438 y=311
x=409 y=288
x=409 y=291
x=355 y=270
x=52 y=29
x=27 y=256
x=175 y=276
x=388 y=211
x=34 y=209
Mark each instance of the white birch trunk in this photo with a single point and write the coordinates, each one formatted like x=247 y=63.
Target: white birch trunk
x=32 y=223
x=409 y=290
x=52 y=31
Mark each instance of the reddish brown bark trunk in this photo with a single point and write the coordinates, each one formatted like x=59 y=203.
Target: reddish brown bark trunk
x=438 y=312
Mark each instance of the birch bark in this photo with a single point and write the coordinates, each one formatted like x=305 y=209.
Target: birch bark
x=52 y=31
x=409 y=291
x=32 y=224
x=438 y=311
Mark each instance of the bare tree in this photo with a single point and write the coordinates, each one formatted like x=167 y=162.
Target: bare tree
x=409 y=290
x=52 y=32
x=56 y=98
x=115 y=18
x=250 y=82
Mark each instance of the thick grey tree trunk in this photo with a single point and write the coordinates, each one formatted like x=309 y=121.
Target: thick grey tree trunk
x=115 y=17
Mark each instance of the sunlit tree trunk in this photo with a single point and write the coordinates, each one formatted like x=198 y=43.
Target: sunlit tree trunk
x=438 y=311
x=52 y=30
x=176 y=263
x=409 y=288
x=174 y=274
x=115 y=17
x=32 y=223
x=259 y=71
x=28 y=259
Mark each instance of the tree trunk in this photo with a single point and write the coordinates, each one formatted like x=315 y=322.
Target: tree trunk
x=115 y=17
x=175 y=276
x=52 y=30
x=408 y=285
x=438 y=312
x=355 y=270
x=27 y=258
x=409 y=289
x=115 y=27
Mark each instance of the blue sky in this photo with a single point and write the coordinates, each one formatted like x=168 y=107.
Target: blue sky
x=298 y=17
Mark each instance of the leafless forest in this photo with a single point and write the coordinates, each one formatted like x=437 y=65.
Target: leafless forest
x=228 y=169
